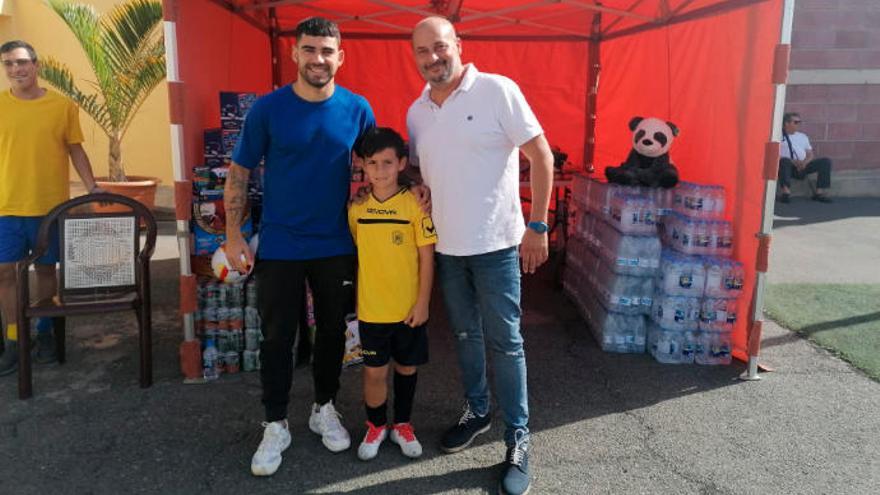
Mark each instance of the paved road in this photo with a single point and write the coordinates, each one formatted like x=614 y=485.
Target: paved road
x=603 y=423
x=826 y=243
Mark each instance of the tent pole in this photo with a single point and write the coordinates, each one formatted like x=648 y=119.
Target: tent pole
x=190 y=351
x=700 y=13
x=594 y=66
x=273 y=45
x=754 y=330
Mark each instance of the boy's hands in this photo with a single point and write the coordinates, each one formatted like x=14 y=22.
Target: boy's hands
x=418 y=315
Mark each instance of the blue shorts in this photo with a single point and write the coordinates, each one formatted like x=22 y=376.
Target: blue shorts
x=18 y=238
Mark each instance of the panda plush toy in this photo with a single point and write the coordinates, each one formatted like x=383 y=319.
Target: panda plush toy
x=648 y=163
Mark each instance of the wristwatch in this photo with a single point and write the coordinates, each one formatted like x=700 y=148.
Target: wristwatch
x=539 y=227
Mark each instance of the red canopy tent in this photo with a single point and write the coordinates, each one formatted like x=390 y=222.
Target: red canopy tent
x=716 y=68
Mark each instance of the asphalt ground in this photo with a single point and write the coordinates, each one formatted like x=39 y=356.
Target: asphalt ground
x=602 y=423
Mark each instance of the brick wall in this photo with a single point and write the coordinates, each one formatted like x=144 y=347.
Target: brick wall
x=842 y=120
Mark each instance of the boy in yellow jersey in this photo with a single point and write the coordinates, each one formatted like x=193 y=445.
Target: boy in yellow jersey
x=395 y=243
x=39 y=136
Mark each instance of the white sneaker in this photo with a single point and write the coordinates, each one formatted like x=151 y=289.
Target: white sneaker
x=325 y=422
x=267 y=458
x=372 y=440
x=402 y=434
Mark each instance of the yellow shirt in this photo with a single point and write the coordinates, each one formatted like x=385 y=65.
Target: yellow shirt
x=34 y=158
x=388 y=235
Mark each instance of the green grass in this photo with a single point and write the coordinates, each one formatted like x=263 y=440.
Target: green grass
x=843 y=318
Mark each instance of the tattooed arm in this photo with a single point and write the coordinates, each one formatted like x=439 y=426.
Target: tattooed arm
x=235 y=202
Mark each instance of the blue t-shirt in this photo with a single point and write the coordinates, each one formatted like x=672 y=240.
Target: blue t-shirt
x=307 y=150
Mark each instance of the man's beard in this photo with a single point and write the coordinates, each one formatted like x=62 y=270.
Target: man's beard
x=444 y=76
x=319 y=81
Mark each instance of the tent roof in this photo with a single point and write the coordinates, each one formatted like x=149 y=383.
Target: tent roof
x=476 y=19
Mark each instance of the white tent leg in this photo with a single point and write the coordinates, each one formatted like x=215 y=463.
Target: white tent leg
x=770 y=188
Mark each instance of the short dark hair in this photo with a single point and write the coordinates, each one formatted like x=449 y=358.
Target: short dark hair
x=317 y=26
x=789 y=116
x=377 y=139
x=12 y=45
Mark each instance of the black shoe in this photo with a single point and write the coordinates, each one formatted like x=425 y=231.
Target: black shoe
x=516 y=478
x=460 y=436
x=45 y=351
x=821 y=198
x=785 y=198
x=9 y=359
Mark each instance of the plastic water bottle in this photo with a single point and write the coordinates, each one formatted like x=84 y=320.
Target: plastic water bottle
x=713 y=348
x=211 y=361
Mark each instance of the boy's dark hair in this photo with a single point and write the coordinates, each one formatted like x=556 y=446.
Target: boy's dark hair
x=377 y=139
x=317 y=26
x=789 y=116
x=12 y=45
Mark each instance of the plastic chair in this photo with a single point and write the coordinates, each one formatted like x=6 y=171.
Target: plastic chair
x=102 y=269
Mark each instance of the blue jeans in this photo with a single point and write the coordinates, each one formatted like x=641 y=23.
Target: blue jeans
x=482 y=294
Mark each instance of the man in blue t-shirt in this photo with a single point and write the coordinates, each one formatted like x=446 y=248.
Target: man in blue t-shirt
x=305 y=132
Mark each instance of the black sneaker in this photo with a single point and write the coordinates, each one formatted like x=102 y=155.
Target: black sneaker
x=460 y=436
x=785 y=198
x=45 y=349
x=9 y=359
x=516 y=479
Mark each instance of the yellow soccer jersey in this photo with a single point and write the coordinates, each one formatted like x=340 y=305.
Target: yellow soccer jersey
x=34 y=135
x=388 y=235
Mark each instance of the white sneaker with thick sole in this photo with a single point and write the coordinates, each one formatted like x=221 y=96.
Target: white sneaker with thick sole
x=402 y=434
x=324 y=421
x=372 y=440
x=267 y=458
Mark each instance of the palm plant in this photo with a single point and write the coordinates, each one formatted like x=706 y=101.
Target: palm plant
x=126 y=52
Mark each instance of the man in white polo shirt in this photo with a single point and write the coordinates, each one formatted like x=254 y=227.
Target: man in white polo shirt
x=465 y=131
x=797 y=160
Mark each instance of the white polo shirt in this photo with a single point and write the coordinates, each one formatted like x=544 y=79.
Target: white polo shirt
x=468 y=154
x=800 y=144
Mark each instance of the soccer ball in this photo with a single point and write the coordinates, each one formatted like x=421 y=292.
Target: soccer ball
x=224 y=271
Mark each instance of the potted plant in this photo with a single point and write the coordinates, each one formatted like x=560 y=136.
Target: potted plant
x=125 y=49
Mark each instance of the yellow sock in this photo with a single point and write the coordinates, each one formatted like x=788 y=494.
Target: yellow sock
x=12 y=331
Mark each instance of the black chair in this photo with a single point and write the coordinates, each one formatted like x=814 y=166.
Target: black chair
x=103 y=269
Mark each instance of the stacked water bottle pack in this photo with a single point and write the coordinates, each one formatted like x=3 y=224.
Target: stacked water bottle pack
x=229 y=325
x=677 y=297
x=695 y=303
x=612 y=257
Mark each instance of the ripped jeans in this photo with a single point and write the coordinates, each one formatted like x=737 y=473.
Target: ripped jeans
x=482 y=294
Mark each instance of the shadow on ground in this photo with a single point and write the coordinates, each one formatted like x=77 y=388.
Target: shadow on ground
x=90 y=429
x=804 y=211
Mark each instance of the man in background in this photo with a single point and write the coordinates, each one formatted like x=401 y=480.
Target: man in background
x=39 y=136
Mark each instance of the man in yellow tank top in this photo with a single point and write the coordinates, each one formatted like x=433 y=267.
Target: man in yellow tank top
x=39 y=131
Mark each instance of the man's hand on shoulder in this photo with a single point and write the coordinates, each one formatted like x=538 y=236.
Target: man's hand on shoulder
x=361 y=194
x=423 y=196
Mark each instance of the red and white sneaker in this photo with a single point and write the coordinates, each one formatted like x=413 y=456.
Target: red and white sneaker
x=372 y=440
x=402 y=434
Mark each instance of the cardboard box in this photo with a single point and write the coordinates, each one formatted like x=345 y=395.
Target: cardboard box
x=233 y=109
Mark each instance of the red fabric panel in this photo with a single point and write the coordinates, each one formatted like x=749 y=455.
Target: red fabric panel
x=176 y=102
x=771 y=160
x=189 y=300
x=169 y=10
x=713 y=79
x=754 y=340
x=183 y=191
x=218 y=52
x=553 y=77
x=780 y=64
x=763 y=257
